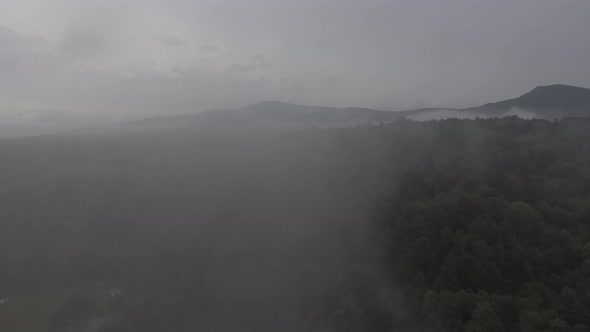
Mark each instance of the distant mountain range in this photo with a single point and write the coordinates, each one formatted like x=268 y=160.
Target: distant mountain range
x=553 y=101
x=272 y=114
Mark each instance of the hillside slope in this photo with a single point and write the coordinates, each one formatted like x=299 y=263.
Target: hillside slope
x=271 y=114
x=550 y=101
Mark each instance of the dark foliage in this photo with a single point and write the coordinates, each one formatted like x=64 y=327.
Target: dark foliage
x=459 y=225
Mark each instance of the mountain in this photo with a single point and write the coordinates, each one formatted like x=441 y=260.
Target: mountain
x=551 y=101
x=548 y=102
x=271 y=114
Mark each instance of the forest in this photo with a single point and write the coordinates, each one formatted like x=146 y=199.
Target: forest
x=449 y=225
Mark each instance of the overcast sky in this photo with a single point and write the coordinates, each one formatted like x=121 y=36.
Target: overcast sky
x=189 y=55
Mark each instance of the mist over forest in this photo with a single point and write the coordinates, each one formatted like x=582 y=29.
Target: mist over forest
x=294 y=166
x=454 y=224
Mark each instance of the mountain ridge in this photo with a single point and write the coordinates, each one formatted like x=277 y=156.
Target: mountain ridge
x=552 y=100
x=548 y=101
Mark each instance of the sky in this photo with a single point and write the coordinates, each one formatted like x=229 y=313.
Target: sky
x=178 y=56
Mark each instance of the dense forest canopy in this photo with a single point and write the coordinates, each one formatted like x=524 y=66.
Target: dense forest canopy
x=458 y=225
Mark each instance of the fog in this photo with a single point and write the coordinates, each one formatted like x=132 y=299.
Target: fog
x=259 y=231
x=161 y=57
x=278 y=165
x=443 y=114
x=308 y=229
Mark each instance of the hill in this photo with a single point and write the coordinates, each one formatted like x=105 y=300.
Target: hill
x=545 y=102
x=271 y=114
x=551 y=101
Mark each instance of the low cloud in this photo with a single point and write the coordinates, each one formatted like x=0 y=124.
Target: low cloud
x=209 y=48
x=391 y=55
x=170 y=40
x=443 y=114
x=240 y=68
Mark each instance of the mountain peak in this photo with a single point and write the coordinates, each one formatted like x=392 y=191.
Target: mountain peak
x=559 y=88
x=557 y=97
x=555 y=100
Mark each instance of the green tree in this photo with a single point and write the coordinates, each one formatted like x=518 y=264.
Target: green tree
x=484 y=319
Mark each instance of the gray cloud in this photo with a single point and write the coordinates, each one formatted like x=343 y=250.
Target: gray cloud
x=176 y=56
x=170 y=40
x=260 y=63
x=209 y=48
x=240 y=68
